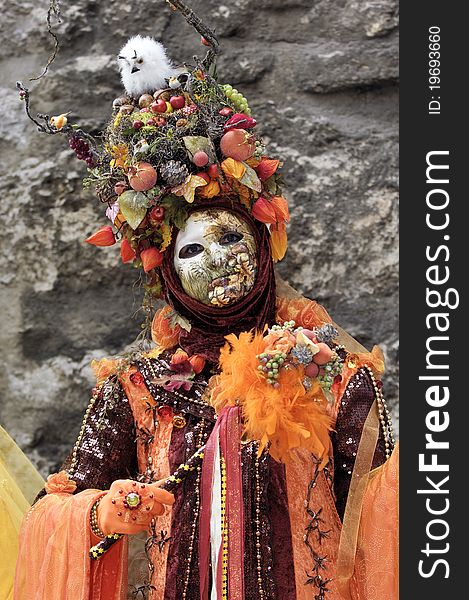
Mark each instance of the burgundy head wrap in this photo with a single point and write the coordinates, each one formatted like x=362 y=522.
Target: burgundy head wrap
x=210 y=324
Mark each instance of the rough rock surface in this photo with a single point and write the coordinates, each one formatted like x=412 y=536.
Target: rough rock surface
x=321 y=80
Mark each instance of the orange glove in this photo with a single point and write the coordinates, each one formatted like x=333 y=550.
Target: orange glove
x=129 y=506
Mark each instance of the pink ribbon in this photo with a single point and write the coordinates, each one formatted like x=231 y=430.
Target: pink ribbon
x=227 y=432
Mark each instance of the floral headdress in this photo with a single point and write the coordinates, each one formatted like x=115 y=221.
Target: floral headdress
x=167 y=148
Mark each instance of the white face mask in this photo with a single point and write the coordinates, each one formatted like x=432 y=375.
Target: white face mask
x=215 y=257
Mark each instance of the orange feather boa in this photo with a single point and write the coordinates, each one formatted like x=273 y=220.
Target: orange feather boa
x=285 y=418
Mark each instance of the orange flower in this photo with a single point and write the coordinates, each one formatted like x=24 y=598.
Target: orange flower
x=151 y=258
x=281 y=209
x=210 y=190
x=163 y=333
x=285 y=418
x=279 y=341
x=127 y=253
x=278 y=241
x=305 y=312
x=120 y=156
x=197 y=363
x=264 y=211
x=266 y=168
x=103 y=237
x=60 y=483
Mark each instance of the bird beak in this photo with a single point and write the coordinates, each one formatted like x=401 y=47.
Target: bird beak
x=135 y=69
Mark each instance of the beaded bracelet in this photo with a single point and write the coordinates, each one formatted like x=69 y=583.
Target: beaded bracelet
x=94 y=520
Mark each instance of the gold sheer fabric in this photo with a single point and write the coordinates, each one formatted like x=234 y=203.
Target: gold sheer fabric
x=19 y=484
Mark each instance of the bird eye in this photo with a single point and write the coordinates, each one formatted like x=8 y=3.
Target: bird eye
x=139 y=61
x=230 y=237
x=190 y=250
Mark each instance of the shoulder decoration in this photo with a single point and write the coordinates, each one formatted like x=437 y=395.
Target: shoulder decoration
x=283 y=380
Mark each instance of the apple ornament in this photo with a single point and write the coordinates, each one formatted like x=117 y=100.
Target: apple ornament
x=177 y=102
x=238 y=144
x=159 y=106
x=142 y=177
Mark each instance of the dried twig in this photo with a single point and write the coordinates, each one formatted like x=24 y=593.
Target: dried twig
x=200 y=27
x=54 y=9
x=45 y=126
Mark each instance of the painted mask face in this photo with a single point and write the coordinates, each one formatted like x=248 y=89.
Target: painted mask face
x=215 y=257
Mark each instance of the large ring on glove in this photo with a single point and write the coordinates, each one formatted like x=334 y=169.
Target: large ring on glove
x=133 y=502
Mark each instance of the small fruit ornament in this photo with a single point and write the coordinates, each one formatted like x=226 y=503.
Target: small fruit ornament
x=159 y=106
x=238 y=144
x=177 y=102
x=142 y=177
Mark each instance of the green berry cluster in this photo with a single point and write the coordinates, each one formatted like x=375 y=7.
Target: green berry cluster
x=260 y=150
x=270 y=365
x=331 y=370
x=290 y=325
x=236 y=99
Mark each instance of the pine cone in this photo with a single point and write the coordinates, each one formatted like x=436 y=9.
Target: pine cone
x=174 y=172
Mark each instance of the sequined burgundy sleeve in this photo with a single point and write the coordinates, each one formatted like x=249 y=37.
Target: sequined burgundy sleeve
x=354 y=407
x=105 y=449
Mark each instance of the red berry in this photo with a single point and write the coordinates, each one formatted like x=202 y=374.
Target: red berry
x=225 y=111
x=177 y=102
x=212 y=170
x=156 y=214
x=151 y=122
x=165 y=413
x=138 y=124
x=204 y=41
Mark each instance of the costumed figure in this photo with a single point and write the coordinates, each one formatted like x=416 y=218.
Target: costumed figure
x=251 y=442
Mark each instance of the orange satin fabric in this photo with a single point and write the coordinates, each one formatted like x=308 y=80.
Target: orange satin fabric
x=298 y=474
x=53 y=561
x=157 y=452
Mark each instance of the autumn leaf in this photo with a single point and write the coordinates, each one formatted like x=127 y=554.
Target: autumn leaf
x=251 y=180
x=133 y=206
x=233 y=168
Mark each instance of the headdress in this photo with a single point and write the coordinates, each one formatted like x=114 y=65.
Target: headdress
x=177 y=138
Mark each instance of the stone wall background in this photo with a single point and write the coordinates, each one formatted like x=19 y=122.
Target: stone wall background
x=321 y=78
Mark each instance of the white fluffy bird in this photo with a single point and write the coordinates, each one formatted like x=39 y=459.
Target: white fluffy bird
x=144 y=66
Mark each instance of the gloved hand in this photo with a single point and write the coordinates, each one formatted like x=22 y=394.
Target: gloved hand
x=129 y=506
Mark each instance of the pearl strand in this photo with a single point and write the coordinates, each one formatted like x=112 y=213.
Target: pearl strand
x=384 y=415
x=258 y=522
x=187 y=574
